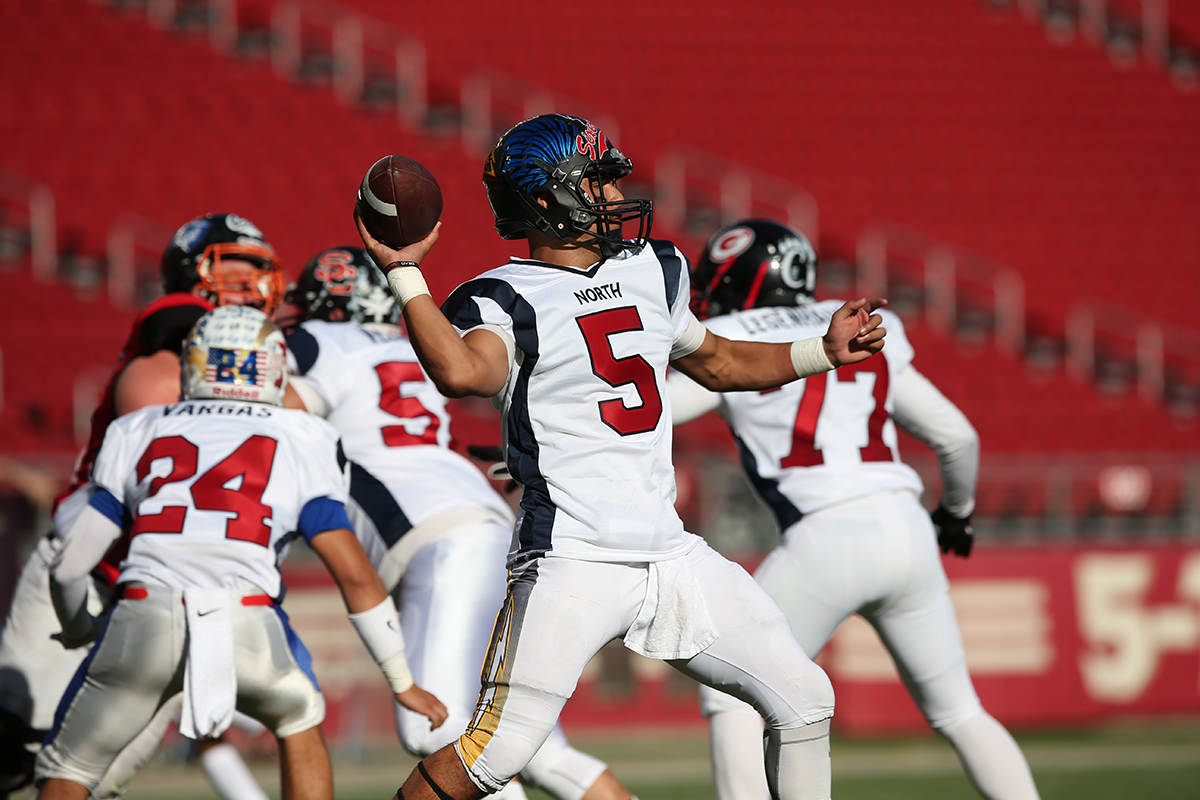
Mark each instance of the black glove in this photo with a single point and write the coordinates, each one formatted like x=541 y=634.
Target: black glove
x=954 y=533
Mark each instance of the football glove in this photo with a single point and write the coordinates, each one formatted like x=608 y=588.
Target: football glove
x=953 y=533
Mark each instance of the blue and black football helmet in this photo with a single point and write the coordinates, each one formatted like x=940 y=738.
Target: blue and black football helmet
x=752 y=264
x=551 y=155
x=212 y=253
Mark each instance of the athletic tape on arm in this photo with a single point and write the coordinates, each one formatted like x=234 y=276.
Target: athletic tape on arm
x=809 y=357
x=379 y=629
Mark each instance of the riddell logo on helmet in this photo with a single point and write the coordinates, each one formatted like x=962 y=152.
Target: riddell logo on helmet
x=591 y=141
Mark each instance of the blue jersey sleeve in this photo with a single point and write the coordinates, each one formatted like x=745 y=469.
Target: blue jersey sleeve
x=322 y=514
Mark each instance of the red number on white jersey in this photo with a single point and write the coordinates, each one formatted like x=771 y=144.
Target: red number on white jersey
x=251 y=462
x=183 y=455
x=392 y=400
x=596 y=329
x=805 y=452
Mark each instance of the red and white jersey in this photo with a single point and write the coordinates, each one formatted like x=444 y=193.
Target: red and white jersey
x=822 y=440
x=586 y=427
x=394 y=426
x=162 y=325
x=213 y=491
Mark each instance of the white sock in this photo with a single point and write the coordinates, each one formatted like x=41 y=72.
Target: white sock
x=229 y=774
x=993 y=760
x=735 y=742
x=798 y=766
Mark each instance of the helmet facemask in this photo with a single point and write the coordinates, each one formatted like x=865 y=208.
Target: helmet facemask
x=227 y=279
x=579 y=209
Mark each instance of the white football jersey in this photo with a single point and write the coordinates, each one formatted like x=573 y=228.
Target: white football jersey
x=394 y=425
x=585 y=420
x=842 y=442
x=214 y=490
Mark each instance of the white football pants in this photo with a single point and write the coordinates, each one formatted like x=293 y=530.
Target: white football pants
x=559 y=612
x=877 y=557
x=449 y=598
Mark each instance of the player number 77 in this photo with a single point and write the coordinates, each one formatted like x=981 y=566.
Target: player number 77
x=805 y=452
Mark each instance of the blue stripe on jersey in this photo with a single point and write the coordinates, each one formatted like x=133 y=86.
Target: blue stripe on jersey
x=786 y=514
x=672 y=267
x=322 y=514
x=521 y=456
x=75 y=685
x=379 y=504
x=108 y=505
x=299 y=651
x=305 y=348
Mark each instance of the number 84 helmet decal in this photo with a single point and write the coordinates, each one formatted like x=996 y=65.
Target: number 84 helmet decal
x=235 y=353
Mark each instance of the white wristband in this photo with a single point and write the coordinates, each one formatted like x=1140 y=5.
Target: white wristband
x=395 y=669
x=379 y=628
x=406 y=283
x=809 y=357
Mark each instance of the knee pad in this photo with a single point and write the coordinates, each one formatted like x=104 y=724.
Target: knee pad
x=561 y=770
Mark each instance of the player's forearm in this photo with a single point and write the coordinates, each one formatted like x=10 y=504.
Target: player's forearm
x=70 y=604
x=83 y=546
x=926 y=413
x=735 y=366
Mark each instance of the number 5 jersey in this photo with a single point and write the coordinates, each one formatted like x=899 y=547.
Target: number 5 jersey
x=587 y=430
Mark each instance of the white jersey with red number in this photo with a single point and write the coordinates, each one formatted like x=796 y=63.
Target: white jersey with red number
x=842 y=442
x=394 y=425
x=587 y=429
x=213 y=491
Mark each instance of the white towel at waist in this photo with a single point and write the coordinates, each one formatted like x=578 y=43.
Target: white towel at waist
x=209 y=677
x=673 y=622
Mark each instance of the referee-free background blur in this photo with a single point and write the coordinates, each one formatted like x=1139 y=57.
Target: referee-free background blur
x=1021 y=178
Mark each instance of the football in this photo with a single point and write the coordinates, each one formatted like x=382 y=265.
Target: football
x=399 y=201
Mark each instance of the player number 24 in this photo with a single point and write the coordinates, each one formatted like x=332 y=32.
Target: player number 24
x=251 y=461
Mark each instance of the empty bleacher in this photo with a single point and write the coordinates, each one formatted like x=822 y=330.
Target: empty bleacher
x=949 y=117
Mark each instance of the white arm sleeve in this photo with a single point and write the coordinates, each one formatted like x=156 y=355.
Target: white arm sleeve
x=510 y=345
x=689 y=399
x=927 y=414
x=84 y=546
x=690 y=340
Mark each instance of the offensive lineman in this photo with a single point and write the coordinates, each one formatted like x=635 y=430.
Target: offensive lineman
x=821 y=453
x=572 y=344
x=216 y=259
x=421 y=511
x=212 y=488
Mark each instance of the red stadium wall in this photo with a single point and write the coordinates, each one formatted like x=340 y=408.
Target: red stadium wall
x=1055 y=636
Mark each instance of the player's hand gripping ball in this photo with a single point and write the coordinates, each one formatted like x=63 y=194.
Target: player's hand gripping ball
x=399 y=201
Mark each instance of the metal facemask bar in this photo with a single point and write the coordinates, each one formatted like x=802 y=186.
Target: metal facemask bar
x=260 y=286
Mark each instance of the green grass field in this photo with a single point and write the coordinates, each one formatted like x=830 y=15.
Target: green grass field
x=1155 y=760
